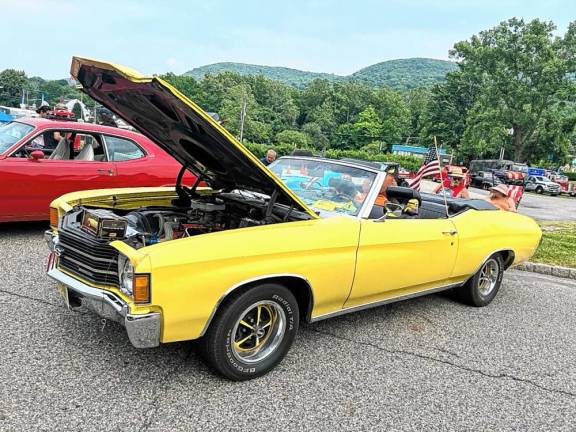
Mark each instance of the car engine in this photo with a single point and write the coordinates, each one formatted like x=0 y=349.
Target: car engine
x=150 y=225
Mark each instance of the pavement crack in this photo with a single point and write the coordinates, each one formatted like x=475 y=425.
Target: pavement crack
x=24 y=296
x=449 y=363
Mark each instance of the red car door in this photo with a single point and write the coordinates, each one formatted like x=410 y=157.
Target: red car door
x=29 y=185
x=141 y=163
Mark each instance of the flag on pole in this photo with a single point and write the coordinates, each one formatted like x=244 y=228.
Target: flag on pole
x=430 y=167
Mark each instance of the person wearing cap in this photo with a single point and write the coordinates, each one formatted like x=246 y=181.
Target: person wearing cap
x=43 y=110
x=47 y=140
x=499 y=197
x=389 y=180
x=455 y=183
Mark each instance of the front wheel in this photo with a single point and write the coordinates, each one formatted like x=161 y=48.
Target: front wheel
x=481 y=289
x=539 y=189
x=252 y=332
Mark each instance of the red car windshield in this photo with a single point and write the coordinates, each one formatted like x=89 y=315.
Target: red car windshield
x=11 y=133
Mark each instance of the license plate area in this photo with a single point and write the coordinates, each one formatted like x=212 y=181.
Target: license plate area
x=63 y=289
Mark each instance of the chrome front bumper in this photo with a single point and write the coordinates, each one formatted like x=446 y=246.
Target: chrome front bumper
x=143 y=330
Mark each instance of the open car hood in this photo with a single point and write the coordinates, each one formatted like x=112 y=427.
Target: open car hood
x=181 y=128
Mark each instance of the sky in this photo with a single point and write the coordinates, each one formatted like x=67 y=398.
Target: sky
x=340 y=37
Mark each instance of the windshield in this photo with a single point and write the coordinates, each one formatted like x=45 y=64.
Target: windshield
x=11 y=133
x=326 y=187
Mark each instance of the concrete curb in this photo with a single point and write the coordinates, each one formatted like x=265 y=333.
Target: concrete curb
x=562 y=272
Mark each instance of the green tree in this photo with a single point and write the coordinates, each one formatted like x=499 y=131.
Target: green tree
x=367 y=128
x=294 y=138
x=394 y=113
x=77 y=110
x=12 y=83
x=522 y=73
x=317 y=137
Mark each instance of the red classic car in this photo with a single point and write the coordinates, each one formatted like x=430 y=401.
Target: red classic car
x=41 y=159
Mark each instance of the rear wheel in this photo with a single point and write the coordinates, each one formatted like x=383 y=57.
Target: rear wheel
x=481 y=289
x=252 y=332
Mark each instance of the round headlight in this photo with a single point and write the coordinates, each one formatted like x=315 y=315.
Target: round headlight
x=126 y=275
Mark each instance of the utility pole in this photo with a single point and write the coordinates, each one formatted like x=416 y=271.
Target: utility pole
x=242 y=117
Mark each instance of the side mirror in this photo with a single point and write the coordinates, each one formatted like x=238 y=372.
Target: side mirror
x=37 y=155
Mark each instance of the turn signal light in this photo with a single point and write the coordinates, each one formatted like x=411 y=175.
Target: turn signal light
x=53 y=217
x=141 y=285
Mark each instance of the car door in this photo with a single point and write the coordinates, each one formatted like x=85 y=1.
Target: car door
x=134 y=166
x=31 y=184
x=398 y=257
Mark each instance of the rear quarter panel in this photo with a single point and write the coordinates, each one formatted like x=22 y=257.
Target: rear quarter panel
x=481 y=233
x=190 y=276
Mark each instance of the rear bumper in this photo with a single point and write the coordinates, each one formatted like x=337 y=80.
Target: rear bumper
x=143 y=330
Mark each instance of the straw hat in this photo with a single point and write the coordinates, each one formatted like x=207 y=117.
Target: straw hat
x=501 y=188
x=456 y=172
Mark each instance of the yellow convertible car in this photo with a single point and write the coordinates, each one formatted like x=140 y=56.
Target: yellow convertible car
x=239 y=258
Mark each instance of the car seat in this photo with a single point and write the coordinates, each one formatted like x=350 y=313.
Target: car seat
x=62 y=150
x=86 y=154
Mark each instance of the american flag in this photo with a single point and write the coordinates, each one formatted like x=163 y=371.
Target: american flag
x=430 y=167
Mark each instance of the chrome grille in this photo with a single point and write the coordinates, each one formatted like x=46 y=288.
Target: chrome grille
x=88 y=258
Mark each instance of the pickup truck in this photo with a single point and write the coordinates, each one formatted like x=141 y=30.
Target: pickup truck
x=541 y=184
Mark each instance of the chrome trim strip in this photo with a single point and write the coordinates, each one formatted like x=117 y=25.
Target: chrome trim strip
x=106 y=260
x=488 y=257
x=384 y=302
x=94 y=270
x=370 y=200
x=143 y=329
x=247 y=281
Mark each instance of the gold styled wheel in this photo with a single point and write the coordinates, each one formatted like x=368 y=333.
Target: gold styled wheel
x=258 y=332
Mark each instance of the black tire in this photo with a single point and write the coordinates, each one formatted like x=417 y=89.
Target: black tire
x=227 y=358
x=485 y=186
x=539 y=189
x=475 y=292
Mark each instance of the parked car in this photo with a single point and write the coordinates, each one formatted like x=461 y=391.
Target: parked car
x=485 y=180
x=541 y=184
x=36 y=167
x=239 y=263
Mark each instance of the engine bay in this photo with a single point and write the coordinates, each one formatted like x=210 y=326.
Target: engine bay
x=154 y=224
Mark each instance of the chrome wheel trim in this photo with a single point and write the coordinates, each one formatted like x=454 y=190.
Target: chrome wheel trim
x=488 y=277
x=258 y=332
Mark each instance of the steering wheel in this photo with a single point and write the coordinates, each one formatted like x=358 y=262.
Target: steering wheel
x=393 y=207
x=308 y=185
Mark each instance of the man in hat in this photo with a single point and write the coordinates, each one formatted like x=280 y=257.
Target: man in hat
x=499 y=197
x=455 y=183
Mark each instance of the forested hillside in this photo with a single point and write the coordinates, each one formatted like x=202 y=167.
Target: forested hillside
x=397 y=74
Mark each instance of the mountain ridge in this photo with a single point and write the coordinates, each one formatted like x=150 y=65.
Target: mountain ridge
x=398 y=73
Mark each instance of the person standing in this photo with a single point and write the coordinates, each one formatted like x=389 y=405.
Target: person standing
x=269 y=158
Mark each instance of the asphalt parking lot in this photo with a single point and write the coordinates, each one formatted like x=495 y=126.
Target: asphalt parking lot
x=425 y=364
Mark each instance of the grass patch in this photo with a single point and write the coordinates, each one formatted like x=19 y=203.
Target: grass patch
x=558 y=244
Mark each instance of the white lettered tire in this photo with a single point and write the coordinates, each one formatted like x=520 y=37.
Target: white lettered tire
x=251 y=332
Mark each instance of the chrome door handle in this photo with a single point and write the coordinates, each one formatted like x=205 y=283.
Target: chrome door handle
x=451 y=232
